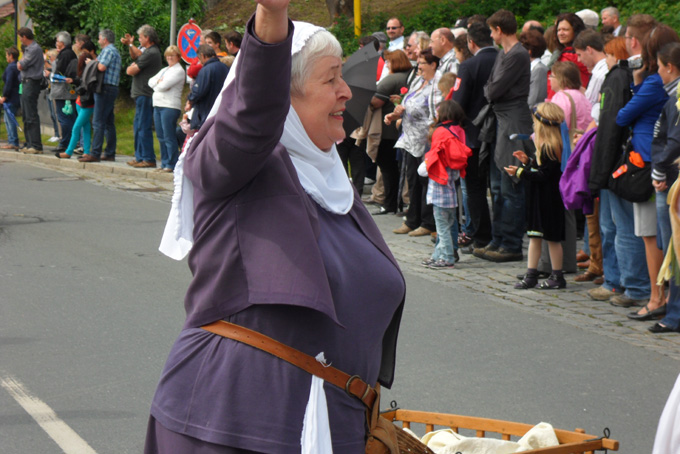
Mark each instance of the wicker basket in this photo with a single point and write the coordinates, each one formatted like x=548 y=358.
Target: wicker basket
x=570 y=442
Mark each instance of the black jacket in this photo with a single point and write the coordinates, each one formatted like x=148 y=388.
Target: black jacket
x=666 y=143
x=611 y=138
x=473 y=74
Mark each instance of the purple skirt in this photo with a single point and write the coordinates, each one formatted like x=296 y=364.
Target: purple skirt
x=160 y=440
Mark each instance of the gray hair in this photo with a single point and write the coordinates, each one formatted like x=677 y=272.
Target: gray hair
x=321 y=44
x=148 y=31
x=108 y=35
x=612 y=10
x=64 y=38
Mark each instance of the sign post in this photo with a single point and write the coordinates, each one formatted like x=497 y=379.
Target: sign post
x=188 y=40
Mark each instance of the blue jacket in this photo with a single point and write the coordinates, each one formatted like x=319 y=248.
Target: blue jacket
x=641 y=113
x=11 y=79
x=207 y=86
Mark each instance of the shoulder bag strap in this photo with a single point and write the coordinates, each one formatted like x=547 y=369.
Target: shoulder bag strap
x=353 y=385
x=574 y=126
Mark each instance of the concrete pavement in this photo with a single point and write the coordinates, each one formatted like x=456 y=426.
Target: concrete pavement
x=571 y=305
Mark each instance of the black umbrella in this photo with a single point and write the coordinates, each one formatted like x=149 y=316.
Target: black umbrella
x=359 y=71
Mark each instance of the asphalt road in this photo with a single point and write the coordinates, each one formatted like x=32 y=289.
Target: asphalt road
x=89 y=309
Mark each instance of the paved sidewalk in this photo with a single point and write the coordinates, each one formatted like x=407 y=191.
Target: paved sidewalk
x=571 y=305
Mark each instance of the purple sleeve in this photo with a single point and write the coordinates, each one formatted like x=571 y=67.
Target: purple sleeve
x=231 y=147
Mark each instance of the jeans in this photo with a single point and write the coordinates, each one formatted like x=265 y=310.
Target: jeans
x=629 y=249
x=446 y=221
x=11 y=125
x=663 y=220
x=29 y=107
x=142 y=126
x=467 y=226
x=53 y=115
x=65 y=121
x=82 y=124
x=672 y=318
x=103 y=121
x=509 y=205
x=165 y=120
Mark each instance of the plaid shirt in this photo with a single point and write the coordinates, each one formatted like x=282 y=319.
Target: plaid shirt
x=111 y=59
x=443 y=196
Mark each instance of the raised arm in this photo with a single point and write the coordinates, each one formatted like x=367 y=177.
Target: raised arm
x=231 y=147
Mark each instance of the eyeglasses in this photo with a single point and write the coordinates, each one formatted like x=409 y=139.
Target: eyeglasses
x=393 y=28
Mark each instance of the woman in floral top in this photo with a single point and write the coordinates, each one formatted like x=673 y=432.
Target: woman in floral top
x=417 y=112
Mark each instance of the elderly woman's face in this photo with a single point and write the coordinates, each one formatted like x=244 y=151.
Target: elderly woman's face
x=322 y=103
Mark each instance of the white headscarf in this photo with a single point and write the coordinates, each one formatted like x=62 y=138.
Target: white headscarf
x=321 y=173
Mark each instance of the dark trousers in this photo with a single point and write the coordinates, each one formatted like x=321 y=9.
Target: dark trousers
x=103 y=121
x=389 y=168
x=476 y=182
x=419 y=213
x=509 y=210
x=353 y=158
x=29 y=106
x=65 y=121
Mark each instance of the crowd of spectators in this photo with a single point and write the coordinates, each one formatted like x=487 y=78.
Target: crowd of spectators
x=81 y=87
x=613 y=83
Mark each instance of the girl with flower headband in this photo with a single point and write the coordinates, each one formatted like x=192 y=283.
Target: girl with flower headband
x=545 y=209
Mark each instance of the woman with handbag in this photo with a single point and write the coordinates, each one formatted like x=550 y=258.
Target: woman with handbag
x=282 y=245
x=641 y=114
x=665 y=152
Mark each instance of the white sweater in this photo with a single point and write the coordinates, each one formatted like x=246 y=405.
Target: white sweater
x=167 y=87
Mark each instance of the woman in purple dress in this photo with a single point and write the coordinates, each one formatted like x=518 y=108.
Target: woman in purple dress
x=280 y=244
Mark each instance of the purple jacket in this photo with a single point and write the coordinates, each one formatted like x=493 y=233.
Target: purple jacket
x=255 y=228
x=574 y=181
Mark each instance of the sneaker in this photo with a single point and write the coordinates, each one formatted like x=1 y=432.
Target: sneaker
x=32 y=151
x=427 y=262
x=601 y=294
x=503 y=255
x=440 y=265
x=624 y=301
x=78 y=151
x=53 y=139
x=553 y=283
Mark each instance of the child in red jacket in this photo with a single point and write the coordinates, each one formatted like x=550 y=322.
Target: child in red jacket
x=445 y=163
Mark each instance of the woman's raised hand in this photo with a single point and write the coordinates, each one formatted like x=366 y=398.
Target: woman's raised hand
x=274 y=4
x=522 y=156
x=271 y=20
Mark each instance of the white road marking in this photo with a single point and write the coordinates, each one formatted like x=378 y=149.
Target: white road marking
x=67 y=439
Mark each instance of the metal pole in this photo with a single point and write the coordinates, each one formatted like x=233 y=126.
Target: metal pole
x=357 y=18
x=173 y=23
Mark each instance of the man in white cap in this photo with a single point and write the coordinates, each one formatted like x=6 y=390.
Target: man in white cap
x=589 y=17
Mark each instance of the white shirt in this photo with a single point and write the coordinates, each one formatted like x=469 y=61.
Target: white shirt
x=545 y=58
x=617 y=31
x=396 y=44
x=598 y=74
x=167 y=87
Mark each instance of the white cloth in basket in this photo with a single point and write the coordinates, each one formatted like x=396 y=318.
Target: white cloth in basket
x=446 y=441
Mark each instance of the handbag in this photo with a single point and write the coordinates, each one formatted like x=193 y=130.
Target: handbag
x=383 y=436
x=632 y=177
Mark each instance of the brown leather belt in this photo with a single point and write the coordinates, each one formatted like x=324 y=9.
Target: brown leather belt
x=353 y=385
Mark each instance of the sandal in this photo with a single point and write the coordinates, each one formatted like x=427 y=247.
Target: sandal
x=553 y=283
x=526 y=282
